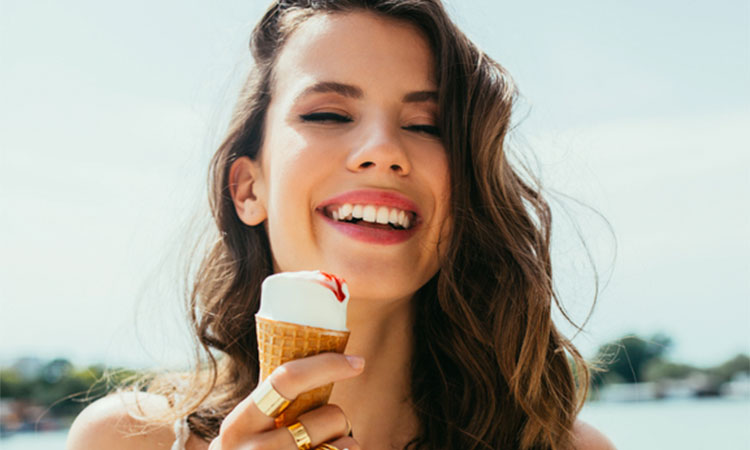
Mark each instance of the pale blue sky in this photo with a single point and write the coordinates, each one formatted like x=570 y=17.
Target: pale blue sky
x=109 y=114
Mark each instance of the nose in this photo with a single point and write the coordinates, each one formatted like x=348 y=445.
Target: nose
x=379 y=149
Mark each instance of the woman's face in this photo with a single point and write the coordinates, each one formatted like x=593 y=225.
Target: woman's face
x=351 y=129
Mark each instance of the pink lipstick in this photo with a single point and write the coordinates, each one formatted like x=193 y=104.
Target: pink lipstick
x=355 y=226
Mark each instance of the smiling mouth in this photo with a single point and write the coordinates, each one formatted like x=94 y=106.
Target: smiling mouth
x=371 y=216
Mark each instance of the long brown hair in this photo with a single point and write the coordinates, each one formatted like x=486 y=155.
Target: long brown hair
x=490 y=369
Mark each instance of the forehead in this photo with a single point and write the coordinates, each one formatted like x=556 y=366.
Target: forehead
x=360 y=48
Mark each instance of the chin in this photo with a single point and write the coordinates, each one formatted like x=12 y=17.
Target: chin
x=379 y=294
x=370 y=283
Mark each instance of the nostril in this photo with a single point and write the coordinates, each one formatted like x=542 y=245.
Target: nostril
x=366 y=164
x=395 y=167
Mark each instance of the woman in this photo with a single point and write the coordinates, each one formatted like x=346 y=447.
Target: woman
x=371 y=103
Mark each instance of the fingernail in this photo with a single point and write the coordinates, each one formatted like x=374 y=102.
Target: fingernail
x=357 y=362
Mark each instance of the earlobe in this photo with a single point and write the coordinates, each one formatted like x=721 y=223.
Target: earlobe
x=245 y=186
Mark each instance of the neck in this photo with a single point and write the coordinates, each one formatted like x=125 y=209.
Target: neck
x=377 y=402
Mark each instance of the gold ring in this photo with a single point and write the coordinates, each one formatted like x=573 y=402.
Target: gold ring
x=326 y=446
x=268 y=400
x=301 y=438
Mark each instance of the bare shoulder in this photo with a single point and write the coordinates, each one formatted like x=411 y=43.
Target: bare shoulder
x=109 y=423
x=589 y=438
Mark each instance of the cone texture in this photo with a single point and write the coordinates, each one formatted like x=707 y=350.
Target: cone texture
x=279 y=342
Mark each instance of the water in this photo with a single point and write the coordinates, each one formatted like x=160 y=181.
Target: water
x=660 y=425
x=687 y=424
x=35 y=441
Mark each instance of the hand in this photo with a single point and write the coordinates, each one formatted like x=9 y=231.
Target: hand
x=246 y=427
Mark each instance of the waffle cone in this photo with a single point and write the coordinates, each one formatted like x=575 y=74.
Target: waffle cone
x=279 y=342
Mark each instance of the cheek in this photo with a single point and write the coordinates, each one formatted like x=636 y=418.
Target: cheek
x=296 y=159
x=292 y=181
x=442 y=187
x=288 y=160
x=440 y=172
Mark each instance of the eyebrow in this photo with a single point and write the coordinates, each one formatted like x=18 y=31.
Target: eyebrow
x=347 y=90
x=351 y=91
x=420 y=96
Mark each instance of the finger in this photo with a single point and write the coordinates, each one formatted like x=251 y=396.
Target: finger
x=321 y=424
x=302 y=375
x=289 y=380
x=325 y=423
x=345 y=443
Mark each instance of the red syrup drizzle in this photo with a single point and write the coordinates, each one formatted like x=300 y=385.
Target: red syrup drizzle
x=335 y=284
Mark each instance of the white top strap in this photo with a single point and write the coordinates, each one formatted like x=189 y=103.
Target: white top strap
x=182 y=433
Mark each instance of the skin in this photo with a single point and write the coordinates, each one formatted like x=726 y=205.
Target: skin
x=302 y=163
x=379 y=149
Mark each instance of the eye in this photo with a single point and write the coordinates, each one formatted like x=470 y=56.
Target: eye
x=429 y=129
x=325 y=117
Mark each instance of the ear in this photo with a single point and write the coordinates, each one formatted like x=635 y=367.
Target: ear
x=246 y=187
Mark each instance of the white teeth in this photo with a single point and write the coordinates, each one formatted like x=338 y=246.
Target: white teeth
x=393 y=217
x=383 y=214
x=372 y=214
x=344 y=214
x=368 y=213
x=345 y=210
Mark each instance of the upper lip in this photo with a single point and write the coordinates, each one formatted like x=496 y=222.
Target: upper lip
x=373 y=197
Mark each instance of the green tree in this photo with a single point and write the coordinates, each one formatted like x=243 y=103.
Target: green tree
x=62 y=388
x=659 y=369
x=13 y=385
x=626 y=359
x=724 y=372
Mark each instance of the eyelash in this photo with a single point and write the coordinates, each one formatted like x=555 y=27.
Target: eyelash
x=325 y=117
x=339 y=118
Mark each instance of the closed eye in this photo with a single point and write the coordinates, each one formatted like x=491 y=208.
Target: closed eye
x=429 y=129
x=325 y=117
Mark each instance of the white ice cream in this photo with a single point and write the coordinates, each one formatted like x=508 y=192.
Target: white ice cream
x=305 y=298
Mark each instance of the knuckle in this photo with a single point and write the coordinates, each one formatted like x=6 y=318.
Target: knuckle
x=225 y=429
x=219 y=443
x=286 y=375
x=334 y=412
x=348 y=442
x=228 y=434
x=254 y=446
x=224 y=442
x=260 y=442
x=331 y=409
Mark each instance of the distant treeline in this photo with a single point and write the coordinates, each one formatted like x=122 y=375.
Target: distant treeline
x=633 y=359
x=60 y=387
x=63 y=390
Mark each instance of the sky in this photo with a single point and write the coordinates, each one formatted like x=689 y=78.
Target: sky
x=634 y=114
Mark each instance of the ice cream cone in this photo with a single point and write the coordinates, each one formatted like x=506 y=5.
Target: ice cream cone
x=279 y=342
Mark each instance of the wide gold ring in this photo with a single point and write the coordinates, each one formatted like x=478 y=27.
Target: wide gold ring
x=301 y=438
x=268 y=400
x=326 y=446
